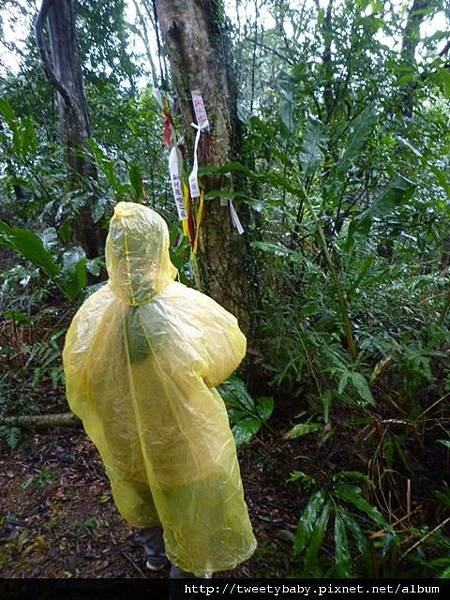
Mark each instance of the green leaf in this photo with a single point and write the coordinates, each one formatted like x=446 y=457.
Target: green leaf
x=273 y=248
x=98 y=208
x=443 y=179
x=17 y=316
x=307 y=520
x=29 y=138
x=73 y=272
x=277 y=179
x=360 y=539
x=64 y=231
x=303 y=429
x=49 y=238
x=30 y=246
x=234 y=393
x=264 y=407
x=231 y=167
x=353 y=494
x=107 y=166
x=445 y=574
x=405 y=75
x=287 y=111
x=311 y=155
x=342 y=559
x=12 y=435
x=245 y=429
x=301 y=476
x=327 y=399
x=361 y=130
x=343 y=381
x=354 y=475
x=445 y=443
x=362 y=387
x=317 y=538
x=94 y=266
x=444 y=76
x=7 y=112
x=400 y=190
x=271 y=177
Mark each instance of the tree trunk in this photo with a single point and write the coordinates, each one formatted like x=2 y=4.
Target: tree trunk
x=197 y=52
x=64 y=73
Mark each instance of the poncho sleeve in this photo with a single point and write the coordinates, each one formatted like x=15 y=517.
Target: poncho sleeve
x=223 y=345
x=80 y=348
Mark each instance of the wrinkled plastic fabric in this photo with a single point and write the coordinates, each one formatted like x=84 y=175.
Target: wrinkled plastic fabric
x=142 y=358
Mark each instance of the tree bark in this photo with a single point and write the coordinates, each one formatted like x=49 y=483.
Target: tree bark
x=197 y=51
x=63 y=71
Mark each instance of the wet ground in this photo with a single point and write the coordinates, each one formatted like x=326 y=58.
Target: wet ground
x=58 y=520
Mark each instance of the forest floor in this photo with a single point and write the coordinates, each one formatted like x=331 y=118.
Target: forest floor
x=58 y=520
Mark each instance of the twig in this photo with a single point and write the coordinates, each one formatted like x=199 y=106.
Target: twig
x=276 y=52
x=382 y=532
x=433 y=405
x=425 y=537
x=155 y=24
x=408 y=496
x=138 y=569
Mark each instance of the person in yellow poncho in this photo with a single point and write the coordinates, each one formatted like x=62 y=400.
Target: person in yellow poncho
x=142 y=358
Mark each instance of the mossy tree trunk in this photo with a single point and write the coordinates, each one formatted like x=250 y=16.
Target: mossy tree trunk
x=198 y=53
x=63 y=70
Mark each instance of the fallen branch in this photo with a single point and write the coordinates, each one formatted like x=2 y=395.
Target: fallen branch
x=42 y=421
x=425 y=537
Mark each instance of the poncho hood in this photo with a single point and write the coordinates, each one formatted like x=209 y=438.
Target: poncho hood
x=137 y=254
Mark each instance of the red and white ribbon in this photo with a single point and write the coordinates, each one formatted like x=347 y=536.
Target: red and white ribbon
x=201 y=125
x=199 y=109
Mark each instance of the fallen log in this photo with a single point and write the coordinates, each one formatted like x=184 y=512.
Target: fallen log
x=42 y=421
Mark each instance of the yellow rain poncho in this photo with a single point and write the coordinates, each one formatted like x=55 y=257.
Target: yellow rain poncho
x=142 y=358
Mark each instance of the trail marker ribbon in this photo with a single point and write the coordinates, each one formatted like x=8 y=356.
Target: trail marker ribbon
x=235 y=218
x=201 y=125
x=193 y=181
x=175 y=171
x=175 y=157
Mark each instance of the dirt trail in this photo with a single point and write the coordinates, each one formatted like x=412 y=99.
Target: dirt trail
x=57 y=517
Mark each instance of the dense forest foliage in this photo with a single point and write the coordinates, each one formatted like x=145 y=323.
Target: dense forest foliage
x=329 y=137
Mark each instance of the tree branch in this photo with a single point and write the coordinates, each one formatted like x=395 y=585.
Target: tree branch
x=42 y=421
